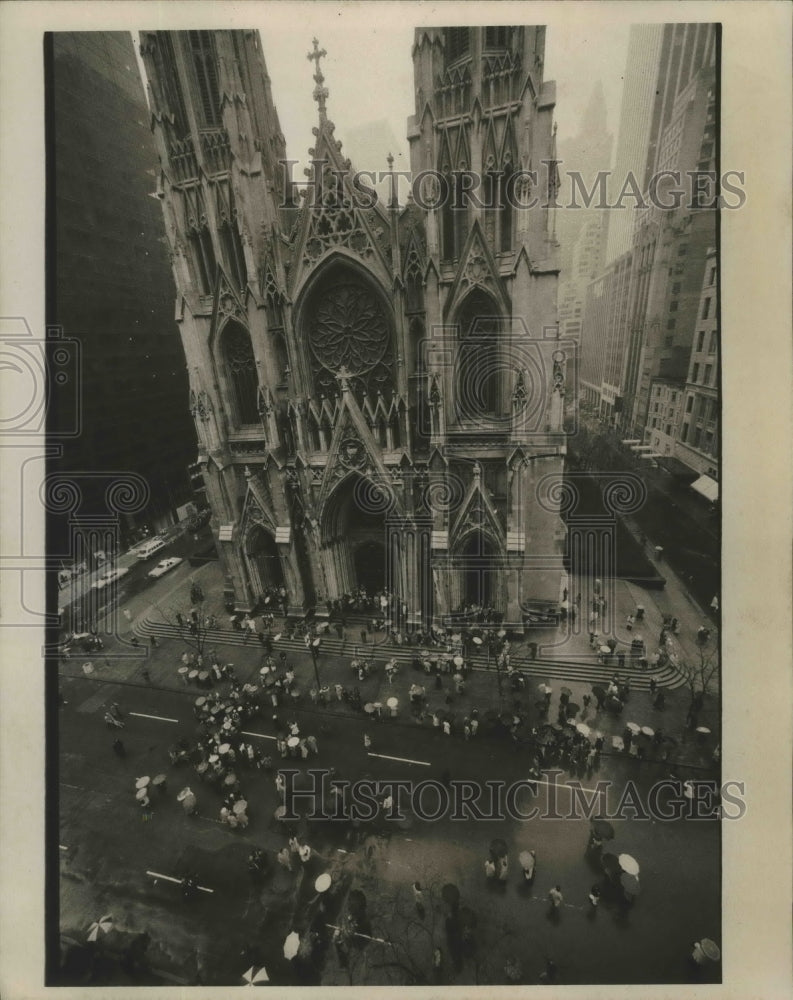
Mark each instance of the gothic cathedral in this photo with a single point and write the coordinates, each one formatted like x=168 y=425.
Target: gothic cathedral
x=377 y=383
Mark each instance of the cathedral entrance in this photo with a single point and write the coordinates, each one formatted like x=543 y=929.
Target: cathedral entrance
x=478 y=570
x=264 y=562
x=355 y=537
x=369 y=561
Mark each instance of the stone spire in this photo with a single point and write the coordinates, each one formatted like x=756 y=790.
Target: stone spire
x=320 y=92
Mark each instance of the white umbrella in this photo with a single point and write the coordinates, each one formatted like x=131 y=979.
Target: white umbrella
x=322 y=883
x=88 y=668
x=648 y=731
x=254 y=976
x=629 y=864
x=634 y=728
x=711 y=949
x=291 y=945
x=583 y=728
x=101 y=926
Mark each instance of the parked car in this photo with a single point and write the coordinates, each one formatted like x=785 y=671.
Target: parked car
x=164 y=566
x=108 y=577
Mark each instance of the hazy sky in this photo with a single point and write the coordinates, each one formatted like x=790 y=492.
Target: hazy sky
x=369 y=70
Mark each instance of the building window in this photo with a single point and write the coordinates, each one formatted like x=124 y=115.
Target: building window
x=668 y=430
x=684 y=435
x=712 y=278
x=695 y=374
x=676 y=288
x=682 y=249
x=172 y=88
x=697 y=436
x=670 y=324
x=205 y=65
x=673 y=306
x=458 y=43
x=700 y=340
x=203 y=255
x=713 y=342
x=706 y=309
x=241 y=370
x=232 y=245
x=497 y=38
x=668 y=341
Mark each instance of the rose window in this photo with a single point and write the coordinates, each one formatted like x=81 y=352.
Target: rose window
x=349 y=330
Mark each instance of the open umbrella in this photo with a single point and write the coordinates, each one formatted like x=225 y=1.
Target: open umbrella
x=526 y=859
x=566 y=691
x=634 y=728
x=100 y=927
x=291 y=945
x=630 y=884
x=711 y=949
x=498 y=848
x=705 y=731
x=239 y=807
x=501 y=633
x=603 y=829
x=322 y=883
x=648 y=731
x=544 y=688
x=583 y=728
x=477 y=641
x=142 y=782
x=255 y=977
x=629 y=864
x=88 y=668
x=368 y=708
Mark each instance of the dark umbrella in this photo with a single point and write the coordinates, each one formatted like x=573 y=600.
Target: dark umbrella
x=566 y=690
x=573 y=709
x=498 y=848
x=598 y=690
x=630 y=884
x=611 y=865
x=603 y=829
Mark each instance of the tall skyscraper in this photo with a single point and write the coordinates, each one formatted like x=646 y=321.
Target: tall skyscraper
x=111 y=279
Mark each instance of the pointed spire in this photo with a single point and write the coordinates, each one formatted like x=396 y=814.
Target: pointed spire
x=320 y=92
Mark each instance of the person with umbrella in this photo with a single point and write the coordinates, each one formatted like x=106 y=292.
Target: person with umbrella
x=555 y=898
x=528 y=863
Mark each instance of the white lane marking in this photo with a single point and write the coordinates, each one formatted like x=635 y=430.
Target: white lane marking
x=159 y=718
x=262 y=736
x=403 y=760
x=564 y=784
x=170 y=878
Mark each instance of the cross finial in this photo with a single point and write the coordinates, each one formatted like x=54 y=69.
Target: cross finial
x=320 y=92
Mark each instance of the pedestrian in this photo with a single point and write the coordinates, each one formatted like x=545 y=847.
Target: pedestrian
x=490 y=868
x=629 y=621
x=367 y=741
x=698 y=956
x=146 y=675
x=285 y=858
x=549 y=976
x=653 y=685
x=594 y=897
x=447 y=728
x=474 y=724
x=128 y=615
x=179 y=620
x=119 y=749
x=364 y=636
x=418 y=898
x=311 y=741
x=153 y=641
x=111 y=720
x=556 y=899
x=467 y=728
x=437 y=966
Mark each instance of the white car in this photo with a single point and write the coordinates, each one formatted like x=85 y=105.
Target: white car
x=108 y=577
x=163 y=566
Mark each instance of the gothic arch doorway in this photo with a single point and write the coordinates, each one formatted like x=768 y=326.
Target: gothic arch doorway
x=264 y=562
x=355 y=537
x=479 y=570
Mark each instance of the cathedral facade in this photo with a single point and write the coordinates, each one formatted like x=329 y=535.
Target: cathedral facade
x=377 y=384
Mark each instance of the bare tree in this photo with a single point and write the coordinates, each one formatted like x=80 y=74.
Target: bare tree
x=699 y=670
x=192 y=622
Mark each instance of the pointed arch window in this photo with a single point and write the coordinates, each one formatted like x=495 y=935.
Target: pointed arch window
x=231 y=242
x=240 y=366
x=414 y=286
x=172 y=95
x=202 y=252
x=479 y=389
x=458 y=43
x=206 y=71
x=505 y=211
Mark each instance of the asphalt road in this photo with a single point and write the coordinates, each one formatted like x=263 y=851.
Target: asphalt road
x=108 y=844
